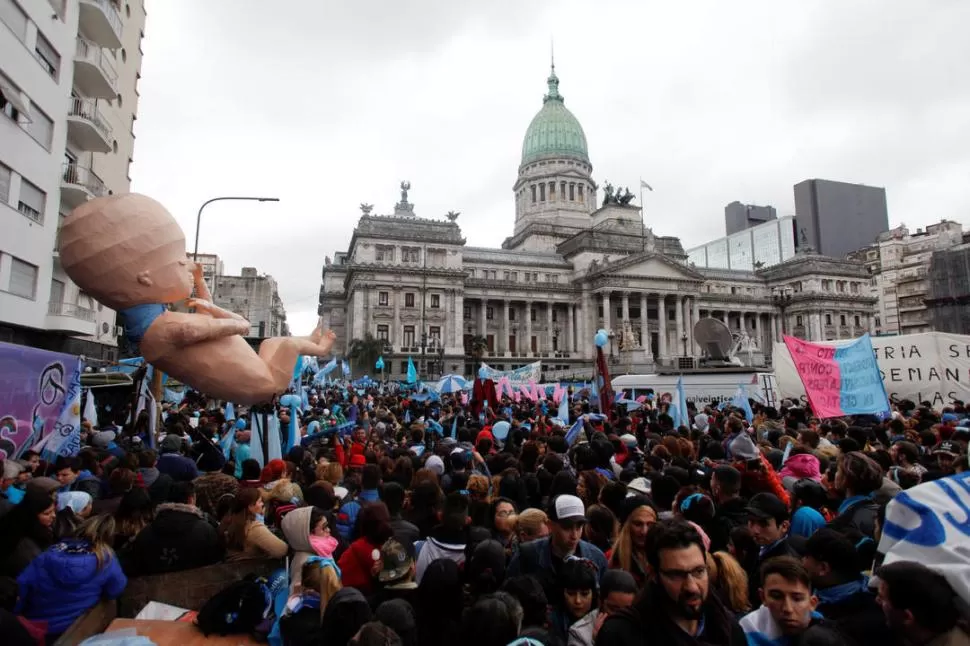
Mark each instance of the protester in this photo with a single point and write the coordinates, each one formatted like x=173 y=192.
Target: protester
x=244 y=532
x=27 y=530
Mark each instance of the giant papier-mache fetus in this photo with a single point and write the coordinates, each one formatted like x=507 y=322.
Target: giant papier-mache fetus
x=128 y=252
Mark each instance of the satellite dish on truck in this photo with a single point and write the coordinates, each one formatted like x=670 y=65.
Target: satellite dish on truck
x=715 y=339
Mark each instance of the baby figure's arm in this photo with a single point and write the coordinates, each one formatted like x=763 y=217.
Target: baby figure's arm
x=190 y=329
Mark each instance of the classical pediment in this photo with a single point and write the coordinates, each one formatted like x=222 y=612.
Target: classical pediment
x=646 y=265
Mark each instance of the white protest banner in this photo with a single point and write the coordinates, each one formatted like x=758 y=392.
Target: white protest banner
x=929 y=524
x=933 y=367
x=517 y=377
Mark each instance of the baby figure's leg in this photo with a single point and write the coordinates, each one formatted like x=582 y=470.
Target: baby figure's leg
x=280 y=353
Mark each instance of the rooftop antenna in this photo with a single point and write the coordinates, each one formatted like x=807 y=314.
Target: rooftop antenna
x=552 y=53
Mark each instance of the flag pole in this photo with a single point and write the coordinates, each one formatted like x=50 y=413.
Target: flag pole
x=643 y=220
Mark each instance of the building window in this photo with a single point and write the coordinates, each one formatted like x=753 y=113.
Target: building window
x=555 y=316
x=798 y=320
x=47 y=56
x=562 y=190
x=514 y=276
x=528 y=277
x=580 y=188
x=13 y=17
x=23 y=279
x=542 y=192
x=411 y=255
x=408 y=336
x=434 y=332
x=382 y=298
x=842 y=319
x=404 y=367
x=32 y=201
x=533 y=188
x=506 y=275
x=828 y=319
x=435 y=301
x=383 y=333
x=4 y=184
x=409 y=299
x=511 y=314
x=489 y=313
x=858 y=320
x=532 y=314
x=40 y=127
x=572 y=192
x=466 y=313
x=384 y=253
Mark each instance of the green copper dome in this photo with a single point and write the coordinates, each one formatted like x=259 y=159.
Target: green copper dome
x=554 y=132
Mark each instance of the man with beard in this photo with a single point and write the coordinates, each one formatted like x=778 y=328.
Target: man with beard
x=920 y=605
x=677 y=606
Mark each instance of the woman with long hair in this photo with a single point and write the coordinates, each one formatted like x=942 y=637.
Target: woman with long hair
x=730 y=581
x=628 y=551
x=361 y=562
x=502 y=524
x=27 y=530
x=244 y=533
x=71 y=576
x=134 y=514
x=302 y=619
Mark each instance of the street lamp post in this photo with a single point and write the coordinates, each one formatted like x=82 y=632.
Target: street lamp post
x=683 y=340
x=781 y=300
x=198 y=217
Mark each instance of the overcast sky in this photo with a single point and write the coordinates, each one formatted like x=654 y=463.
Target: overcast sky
x=329 y=103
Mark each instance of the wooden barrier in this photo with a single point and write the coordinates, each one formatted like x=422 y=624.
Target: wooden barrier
x=92 y=622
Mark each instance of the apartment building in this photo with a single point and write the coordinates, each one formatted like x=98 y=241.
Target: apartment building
x=69 y=72
x=254 y=296
x=899 y=263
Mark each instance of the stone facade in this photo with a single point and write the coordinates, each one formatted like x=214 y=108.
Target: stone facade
x=571 y=267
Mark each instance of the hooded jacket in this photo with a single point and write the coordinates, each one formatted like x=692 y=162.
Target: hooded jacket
x=157 y=483
x=446 y=543
x=296 y=530
x=179 y=538
x=64 y=582
x=802 y=465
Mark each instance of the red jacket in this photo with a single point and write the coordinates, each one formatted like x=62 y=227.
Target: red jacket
x=355 y=565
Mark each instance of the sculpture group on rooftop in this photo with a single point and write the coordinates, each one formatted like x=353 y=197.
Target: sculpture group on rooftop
x=620 y=195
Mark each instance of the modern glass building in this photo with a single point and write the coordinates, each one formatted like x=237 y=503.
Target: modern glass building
x=760 y=246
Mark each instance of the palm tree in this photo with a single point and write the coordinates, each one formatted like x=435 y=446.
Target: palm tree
x=478 y=346
x=365 y=352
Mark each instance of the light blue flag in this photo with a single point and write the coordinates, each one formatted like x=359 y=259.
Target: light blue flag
x=230 y=413
x=563 y=413
x=594 y=394
x=741 y=401
x=329 y=367
x=412 y=372
x=454 y=426
x=304 y=399
x=680 y=416
x=345 y=367
x=573 y=433
x=256 y=441
x=436 y=427
x=226 y=441
x=292 y=402
x=407 y=416
x=273 y=445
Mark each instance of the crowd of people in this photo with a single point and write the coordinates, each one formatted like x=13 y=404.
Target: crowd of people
x=437 y=521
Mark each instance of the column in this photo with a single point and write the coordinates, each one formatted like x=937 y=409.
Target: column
x=662 y=326
x=459 y=321
x=570 y=333
x=505 y=327
x=626 y=309
x=358 y=328
x=645 y=328
x=605 y=296
x=527 y=344
x=549 y=330
x=694 y=319
x=482 y=323
x=679 y=323
x=395 y=331
x=726 y=317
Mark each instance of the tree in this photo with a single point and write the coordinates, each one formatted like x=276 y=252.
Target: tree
x=365 y=352
x=478 y=346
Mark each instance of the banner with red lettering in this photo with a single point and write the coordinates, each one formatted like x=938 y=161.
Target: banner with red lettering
x=841 y=380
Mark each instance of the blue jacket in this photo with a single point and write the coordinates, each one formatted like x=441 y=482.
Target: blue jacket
x=347 y=514
x=535 y=558
x=64 y=581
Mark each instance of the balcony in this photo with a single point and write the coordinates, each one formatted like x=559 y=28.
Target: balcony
x=94 y=72
x=70 y=319
x=86 y=128
x=79 y=184
x=99 y=21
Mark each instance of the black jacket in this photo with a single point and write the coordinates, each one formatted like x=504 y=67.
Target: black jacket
x=861 y=516
x=782 y=548
x=859 y=618
x=180 y=538
x=728 y=515
x=648 y=623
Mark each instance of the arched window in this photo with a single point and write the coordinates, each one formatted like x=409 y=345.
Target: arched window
x=580 y=187
x=552 y=191
x=562 y=189
x=533 y=187
x=572 y=192
x=542 y=192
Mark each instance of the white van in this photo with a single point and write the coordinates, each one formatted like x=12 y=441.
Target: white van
x=705 y=388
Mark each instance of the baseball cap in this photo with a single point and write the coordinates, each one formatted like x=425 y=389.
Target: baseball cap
x=947 y=447
x=396 y=561
x=768 y=506
x=566 y=507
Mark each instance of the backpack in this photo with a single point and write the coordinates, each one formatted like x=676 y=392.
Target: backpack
x=237 y=609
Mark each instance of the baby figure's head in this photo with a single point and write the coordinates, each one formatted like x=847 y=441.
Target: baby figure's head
x=126 y=250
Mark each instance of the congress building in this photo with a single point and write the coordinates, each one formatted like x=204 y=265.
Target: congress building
x=579 y=259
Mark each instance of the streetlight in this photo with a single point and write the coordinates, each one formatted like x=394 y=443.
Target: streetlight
x=781 y=300
x=198 y=218
x=683 y=339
